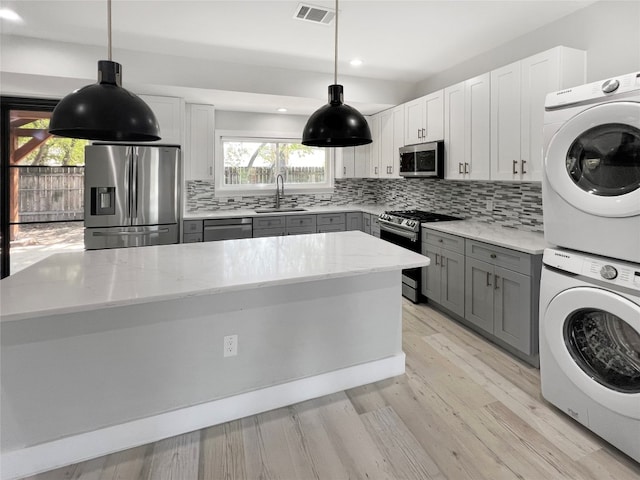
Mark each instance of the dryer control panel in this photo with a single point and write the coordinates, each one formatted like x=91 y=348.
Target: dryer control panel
x=615 y=272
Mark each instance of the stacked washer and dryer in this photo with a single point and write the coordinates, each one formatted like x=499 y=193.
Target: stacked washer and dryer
x=590 y=283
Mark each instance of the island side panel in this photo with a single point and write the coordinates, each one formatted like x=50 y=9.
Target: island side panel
x=69 y=374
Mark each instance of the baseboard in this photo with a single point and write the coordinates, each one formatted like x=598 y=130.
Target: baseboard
x=78 y=448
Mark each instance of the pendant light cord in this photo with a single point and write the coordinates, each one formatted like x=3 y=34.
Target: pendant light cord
x=335 y=61
x=109 y=27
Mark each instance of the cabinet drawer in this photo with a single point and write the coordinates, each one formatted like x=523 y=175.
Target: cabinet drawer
x=499 y=256
x=192 y=226
x=301 y=230
x=330 y=219
x=268 y=232
x=331 y=228
x=192 y=237
x=444 y=240
x=301 y=221
x=269 y=222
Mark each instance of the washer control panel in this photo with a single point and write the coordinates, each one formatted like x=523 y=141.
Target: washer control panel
x=594 y=91
x=616 y=272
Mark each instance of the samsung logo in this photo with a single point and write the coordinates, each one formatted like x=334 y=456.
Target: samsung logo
x=563 y=255
x=562 y=92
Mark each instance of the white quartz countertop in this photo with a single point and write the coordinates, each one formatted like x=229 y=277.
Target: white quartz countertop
x=81 y=281
x=520 y=240
x=372 y=209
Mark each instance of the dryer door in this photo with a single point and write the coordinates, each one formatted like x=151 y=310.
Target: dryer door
x=593 y=161
x=594 y=335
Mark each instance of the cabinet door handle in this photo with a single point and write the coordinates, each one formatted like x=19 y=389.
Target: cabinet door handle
x=424 y=133
x=466 y=167
x=211 y=171
x=436 y=259
x=495 y=282
x=418 y=133
x=513 y=169
x=344 y=169
x=375 y=170
x=488 y=279
x=460 y=168
x=522 y=162
x=442 y=261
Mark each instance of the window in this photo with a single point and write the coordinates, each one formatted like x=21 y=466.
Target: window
x=250 y=165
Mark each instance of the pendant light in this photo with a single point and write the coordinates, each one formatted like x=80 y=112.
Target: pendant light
x=336 y=124
x=105 y=111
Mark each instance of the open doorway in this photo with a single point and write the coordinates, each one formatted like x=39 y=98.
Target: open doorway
x=43 y=186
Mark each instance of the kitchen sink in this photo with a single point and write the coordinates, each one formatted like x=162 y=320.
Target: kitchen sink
x=283 y=209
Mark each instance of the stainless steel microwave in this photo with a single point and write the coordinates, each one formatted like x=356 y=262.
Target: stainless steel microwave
x=422 y=160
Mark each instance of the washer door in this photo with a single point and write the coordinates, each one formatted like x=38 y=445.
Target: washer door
x=594 y=335
x=593 y=160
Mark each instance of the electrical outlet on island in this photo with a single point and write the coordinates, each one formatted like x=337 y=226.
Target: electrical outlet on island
x=230 y=347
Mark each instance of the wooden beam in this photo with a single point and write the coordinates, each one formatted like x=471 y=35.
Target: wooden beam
x=27 y=148
x=31 y=132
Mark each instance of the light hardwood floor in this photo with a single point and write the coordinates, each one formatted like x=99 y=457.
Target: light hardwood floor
x=463 y=410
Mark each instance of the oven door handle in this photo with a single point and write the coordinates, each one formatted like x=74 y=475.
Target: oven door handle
x=413 y=236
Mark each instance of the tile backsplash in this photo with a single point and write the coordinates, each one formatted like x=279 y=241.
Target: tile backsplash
x=517 y=205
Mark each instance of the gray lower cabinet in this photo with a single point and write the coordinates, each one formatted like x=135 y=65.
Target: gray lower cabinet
x=331 y=222
x=502 y=301
x=269 y=226
x=375 y=226
x=300 y=224
x=443 y=280
x=366 y=223
x=191 y=231
x=354 y=220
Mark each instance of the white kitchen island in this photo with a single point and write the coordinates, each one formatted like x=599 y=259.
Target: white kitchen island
x=105 y=350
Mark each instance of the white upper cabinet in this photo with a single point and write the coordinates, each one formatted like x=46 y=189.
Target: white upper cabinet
x=354 y=162
x=454 y=134
x=477 y=117
x=466 y=129
x=199 y=148
x=518 y=93
x=169 y=112
x=391 y=139
x=424 y=119
x=374 y=148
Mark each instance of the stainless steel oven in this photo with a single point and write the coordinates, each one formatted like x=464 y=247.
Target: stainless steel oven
x=403 y=228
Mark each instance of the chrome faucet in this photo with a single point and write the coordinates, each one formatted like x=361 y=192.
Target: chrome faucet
x=278 y=178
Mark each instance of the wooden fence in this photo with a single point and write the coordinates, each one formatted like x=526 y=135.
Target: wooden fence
x=255 y=175
x=50 y=193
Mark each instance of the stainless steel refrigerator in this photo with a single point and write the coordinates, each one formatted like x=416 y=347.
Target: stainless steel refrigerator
x=131 y=196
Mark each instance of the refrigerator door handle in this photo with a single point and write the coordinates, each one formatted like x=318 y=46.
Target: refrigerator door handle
x=119 y=234
x=134 y=182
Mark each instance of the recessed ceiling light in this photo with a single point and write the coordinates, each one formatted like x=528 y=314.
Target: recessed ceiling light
x=7 y=14
x=282 y=109
x=356 y=62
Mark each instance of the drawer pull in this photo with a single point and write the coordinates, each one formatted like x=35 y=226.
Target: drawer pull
x=493 y=255
x=440 y=240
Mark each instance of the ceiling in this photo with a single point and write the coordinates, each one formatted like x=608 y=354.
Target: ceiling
x=397 y=40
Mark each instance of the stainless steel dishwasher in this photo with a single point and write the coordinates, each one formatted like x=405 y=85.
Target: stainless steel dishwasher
x=227 y=229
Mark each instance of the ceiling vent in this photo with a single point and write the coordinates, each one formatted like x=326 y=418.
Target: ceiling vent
x=315 y=14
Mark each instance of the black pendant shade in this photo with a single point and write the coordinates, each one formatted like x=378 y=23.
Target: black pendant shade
x=336 y=124
x=105 y=111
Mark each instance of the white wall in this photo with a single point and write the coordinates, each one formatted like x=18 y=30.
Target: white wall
x=260 y=122
x=608 y=30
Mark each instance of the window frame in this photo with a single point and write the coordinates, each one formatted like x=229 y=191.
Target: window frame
x=222 y=190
